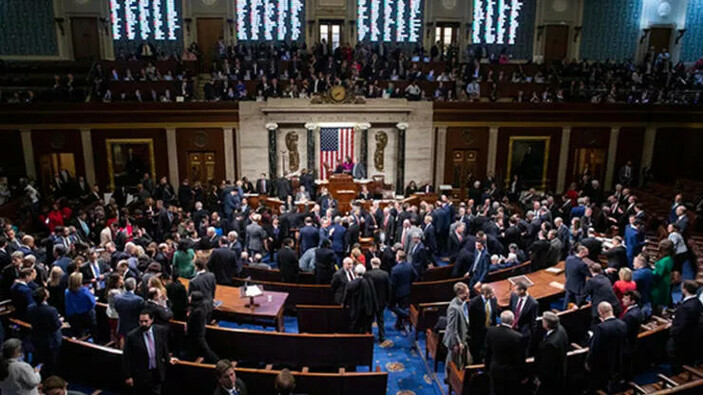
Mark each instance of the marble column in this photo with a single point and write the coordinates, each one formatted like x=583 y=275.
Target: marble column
x=28 y=151
x=563 y=158
x=650 y=136
x=228 y=143
x=400 y=165
x=88 y=158
x=273 y=149
x=612 y=153
x=310 y=127
x=440 y=156
x=492 y=150
x=363 y=128
x=172 y=150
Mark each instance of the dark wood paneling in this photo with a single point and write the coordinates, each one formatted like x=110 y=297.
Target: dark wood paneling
x=12 y=156
x=677 y=154
x=99 y=150
x=556 y=42
x=86 y=39
x=201 y=140
x=209 y=31
x=49 y=141
x=630 y=145
x=598 y=138
x=504 y=135
x=466 y=138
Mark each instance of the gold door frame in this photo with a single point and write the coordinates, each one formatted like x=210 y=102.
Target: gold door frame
x=108 y=146
x=545 y=166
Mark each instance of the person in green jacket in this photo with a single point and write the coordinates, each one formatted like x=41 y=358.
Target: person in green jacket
x=661 y=287
x=183 y=261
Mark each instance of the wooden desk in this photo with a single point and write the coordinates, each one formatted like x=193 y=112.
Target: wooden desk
x=253 y=199
x=233 y=307
x=541 y=290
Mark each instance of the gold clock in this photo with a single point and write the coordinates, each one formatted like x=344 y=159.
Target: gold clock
x=338 y=93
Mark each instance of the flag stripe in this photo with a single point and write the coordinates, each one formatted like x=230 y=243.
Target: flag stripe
x=335 y=145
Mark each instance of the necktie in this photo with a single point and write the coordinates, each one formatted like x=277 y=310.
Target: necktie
x=488 y=312
x=151 y=350
x=478 y=258
x=350 y=276
x=466 y=311
x=403 y=237
x=518 y=310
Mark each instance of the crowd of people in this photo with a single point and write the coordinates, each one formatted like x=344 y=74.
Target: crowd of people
x=75 y=249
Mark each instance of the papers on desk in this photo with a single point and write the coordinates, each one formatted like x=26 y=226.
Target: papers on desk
x=251 y=195
x=523 y=279
x=217 y=303
x=557 y=285
x=252 y=291
x=554 y=270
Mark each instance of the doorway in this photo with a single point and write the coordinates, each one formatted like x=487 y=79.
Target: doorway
x=50 y=164
x=589 y=161
x=85 y=37
x=331 y=32
x=201 y=166
x=463 y=171
x=556 y=43
x=660 y=38
x=446 y=34
x=210 y=30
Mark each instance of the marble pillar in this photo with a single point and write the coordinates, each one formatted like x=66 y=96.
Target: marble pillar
x=228 y=143
x=612 y=153
x=88 y=158
x=400 y=166
x=440 y=156
x=650 y=136
x=363 y=159
x=563 y=158
x=28 y=150
x=310 y=128
x=172 y=150
x=492 y=150
x=273 y=149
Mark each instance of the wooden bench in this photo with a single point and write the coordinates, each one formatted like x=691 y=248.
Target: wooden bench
x=274 y=275
x=322 y=319
x=315 y=294
x=438 y=273
x=252 y=347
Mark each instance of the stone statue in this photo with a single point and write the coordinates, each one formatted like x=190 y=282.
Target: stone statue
x=381 y=142
x=293 y=155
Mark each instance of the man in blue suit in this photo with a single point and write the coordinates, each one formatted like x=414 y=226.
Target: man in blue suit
x=576 y=272
x=337 y=233
x=128 y=306
x=21 y=292
x=309 y=236
x=634 y=239
x=430 y=235
x=418 y=256
x=479 y=267
x=402 y=276
x=46 y=331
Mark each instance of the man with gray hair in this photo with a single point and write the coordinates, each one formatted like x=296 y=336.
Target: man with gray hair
x=128 y=305
x=360 y=301
x=605 y=353
x=550 y=357
x=505 y=356
x=382 y=286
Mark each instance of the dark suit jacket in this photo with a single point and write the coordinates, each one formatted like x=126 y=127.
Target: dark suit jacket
x=128 y=306
x=684 y=327
x=21 y=299
x=339 y=285
x=261 y=188
x=539 y=254
x=382 y=285
x=419 y=259
x=135 y=357
x=88 y=272
x=600 y=289
x=505 y=353
x=633 y=319
x=402 y=276
x=576 y=272
x=178 y=297
x=617 y=257
x=594 y=246
x=309 y=238
x=162 y=315
x=224 y=264
x=550 y=359
x=325 y=259
x=477 y=319
x=480 y=270
x=288 y=264
x=430 y=236
x=606 y=350
x=238 y=384
x=205 y=283
x=528 y=314
x=46 y=326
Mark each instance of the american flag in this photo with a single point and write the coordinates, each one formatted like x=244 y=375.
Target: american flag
x=335 y=145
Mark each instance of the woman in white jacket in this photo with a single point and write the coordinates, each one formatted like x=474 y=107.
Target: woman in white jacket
x=18 y=377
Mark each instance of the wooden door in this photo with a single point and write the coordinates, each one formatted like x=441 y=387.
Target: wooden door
x=210 y=30
x=659 y=38
x=50 y=164
x=201 y=166
x=463 y=172
x=556 y=42
x=86 y=39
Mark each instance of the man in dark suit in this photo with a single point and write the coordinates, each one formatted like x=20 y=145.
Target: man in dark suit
x=228 y=381
x=685 y=328
x=325 y=259
x=576 y=272
x=204 y=282
x=456 y=240
x=224 y=263
x=360 y=301
x=46 y=331
x=95 y=271
x=10 y=273
x=594 y=245
x=145 y=356
x=539 y=252
x=418 y=256
x=456 y=336
x=5 y=259
x=341 y=278
x=480 y=265
x=402 y=277
x=483 y=313
x=156 y=304
x=633 y=319
x=21 y=292
x=505 y=356
x=309 y=236
x=430 y=235
x=617 y=258
x=288 y=262
x=263 y=185
x=382 y=285
x=550 y=358
x=600 y=290
x=524 y=308
x=605 y=353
